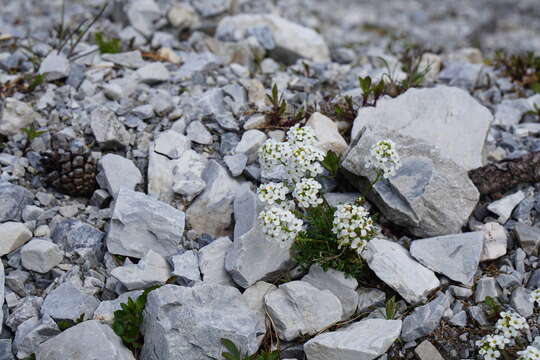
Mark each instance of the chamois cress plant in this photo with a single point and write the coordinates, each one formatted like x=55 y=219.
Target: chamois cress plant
x=509 y=331
x=297 y=215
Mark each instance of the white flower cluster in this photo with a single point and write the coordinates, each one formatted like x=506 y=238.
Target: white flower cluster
x=530 y=353
x=490 y=345
x=384 y=158
x=353 y=226
x=306 y=192
x=273 y=193
x=280 y=225
x=534 y=297
x=298 y=155
x=511 y=324
x=509 y=327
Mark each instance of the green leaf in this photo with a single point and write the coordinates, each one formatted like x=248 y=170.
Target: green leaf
x=365 y=84
x=391 y=308
x=234 y=353
x=331 y=163
x=535 y=87
x=107 y=46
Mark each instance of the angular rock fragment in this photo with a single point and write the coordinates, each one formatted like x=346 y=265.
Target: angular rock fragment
x=192 y=321
x=12 y=236
x=392 y=264
x=140 y=223
x=115 y=171
x=424 y=319
x=151 y=270
x=212 y=262
x=298 y=308
x=68 y=302
x=364 y=340
x=13 y=199
x=41 y=255
x=456 y=256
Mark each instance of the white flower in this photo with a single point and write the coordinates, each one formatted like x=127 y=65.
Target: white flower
x=301 y=136
x=384 y=158
x=511 y=323
x=280 y=225
x=304 y=161
x=273 y=153
x=353 y=226
x=273 y=193
x=490 y=345
x=530 y=353
x=306 y=192
x=535 y=296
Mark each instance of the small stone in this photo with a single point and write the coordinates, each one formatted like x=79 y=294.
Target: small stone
x=486 y=286
x=459 y=319
x=115 y=171
x=12 y=236
x=6 y=352
x=140 y=223
x=13 y=200
x=187 y=174
x=338 y=283
x=100 y=198
x=186 y=268
x=521 y=303
x=504 y=207
x=495 y=241
x=256 y=121
x=91 y=338
x=363 y=340
x=33 y=332
x=250 y=143
x=183 y=16
x=528 y=237
x=72 y=234
x=328 y=136
x=369 y=298
x=211 y=212
x=212 y=262
x=298 y=308
x=151 y=270
x=461 y=292
x=153 y=73
x=41 y=255
x=426 y=351
x=198 y=133
x=236 y=163
x=424 y=319
x=68 y=302
x=477 y=313
x=55 y=66
x=15 y=116
x=109 y=132
x=392 y=264
x=130 y=59
x=456 y=256
x=25 y=309
x=209 y=8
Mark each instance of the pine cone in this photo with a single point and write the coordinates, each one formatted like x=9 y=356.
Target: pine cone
x=70 y=170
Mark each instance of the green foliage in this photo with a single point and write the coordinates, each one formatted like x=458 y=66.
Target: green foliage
x=522 y=68
x=411 y=62
x=128 y=320
x=279 y=106
x=331 y=163
x=370 y=90
x=535 y=112
x=319 y=245
x=492 y=308
x=31 y=132
x=66 y=324
x=233 y=353
x=34 y=81
x=107 y=46
x=391 y=308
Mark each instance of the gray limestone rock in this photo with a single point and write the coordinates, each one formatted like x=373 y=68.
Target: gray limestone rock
x=192 y=321
x=72 y=234
x=151 y=270
x=430 y=195
x=115 y=171
x=140 y=223
x=455 y=256
x=528 y=237
x=41 y=255
x=186 y=267
x=392 y=263
x=424 y=319
x=105 y=311
x=91 y=339
x=68 y=302
x=339 y=284
x=212 y=262
x=109 y=132
x=298 y=308
x=252 y=257
x=13 y=199
x=363 y=340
